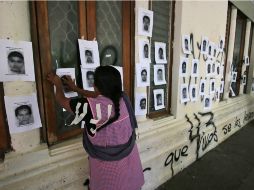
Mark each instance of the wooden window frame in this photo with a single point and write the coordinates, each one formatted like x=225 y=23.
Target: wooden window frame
x=87 y=30
x=166 y=112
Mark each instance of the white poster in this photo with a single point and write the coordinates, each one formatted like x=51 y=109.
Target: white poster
x=202 y=87
x=88 y=79
x=158 y=99
x=183 y=67
x=184 y=93
x=145 y=22
x=16 y=58
x=144 y=51
x=159 y=74
x=186 y=44
x=63 y=72
x=195 y=68
x=143 y=75
x=160 y=52
x=22 y=113
x=204 y=45
x=140 y=104
x=221 y=44
x=246 y=60
x=193 y=92
x=89 y=53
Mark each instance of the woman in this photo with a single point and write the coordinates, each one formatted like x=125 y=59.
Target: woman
x=109 y=135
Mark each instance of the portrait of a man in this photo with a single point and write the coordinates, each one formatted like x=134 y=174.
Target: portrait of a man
x=209 y=68
x=90 y=78
x=202 y=87
x=146 y=23
x=16 y=63
x=184 y=93
x=146 y=51
x=89 y=56
x=184 y=67
x=142 y=104
x=159 y=99
x=65 y=86
x=186 y=44
x=160 y=53
x=195 y=66
x=24 y=115
x=193 y=92
x=207 y=102
x=159 y=75
x=204 y=45
x=210 y=50
x=144 y=75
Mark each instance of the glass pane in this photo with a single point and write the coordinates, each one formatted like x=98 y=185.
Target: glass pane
x=161 y=26
x=237 y=59
x=109 y=31
x=63 y=29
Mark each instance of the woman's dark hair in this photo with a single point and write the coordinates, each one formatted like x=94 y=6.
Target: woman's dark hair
x=108 y=81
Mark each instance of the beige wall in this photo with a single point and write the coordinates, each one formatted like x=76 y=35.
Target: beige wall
x=198 y=18
x=15 y=25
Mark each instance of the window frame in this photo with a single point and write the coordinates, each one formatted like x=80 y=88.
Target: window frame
x=167 y=112
x=241 y=53
x=86 y=30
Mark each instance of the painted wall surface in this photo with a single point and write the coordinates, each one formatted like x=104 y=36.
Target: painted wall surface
x=166 y=145
x=15 y=25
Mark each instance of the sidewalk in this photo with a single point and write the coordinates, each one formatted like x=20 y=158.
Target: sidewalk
x=230 y=166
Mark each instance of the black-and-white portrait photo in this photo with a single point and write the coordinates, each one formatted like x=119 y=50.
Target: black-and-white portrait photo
x=218 y=69
x=244 y=80
x=246 y=60
x=183 y=66
x=142 y=74
x=202 y=87
x=186 y=44
x=88 y=79
x=159 y=75
x=208 y=68
x=212 y=86
x=214 y=51
x=213 y=68
x=234 y=76
x=89 y=54
x=193 y=92
x=195 y=68
x=160 y=52
x=144 y=51
x=16 y=62
x=24 y=115
x=158 y=99
x=204 y=45
x=145 y=22
x=184 y=93
x=207 y=103
x=221 y=86
x=210 y=50
x=140 y=104
x=65 y=73
x=221 y=45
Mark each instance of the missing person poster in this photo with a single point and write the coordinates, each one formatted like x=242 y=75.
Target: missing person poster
x=22 y=113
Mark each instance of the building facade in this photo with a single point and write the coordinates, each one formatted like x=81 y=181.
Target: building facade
x=169 y=139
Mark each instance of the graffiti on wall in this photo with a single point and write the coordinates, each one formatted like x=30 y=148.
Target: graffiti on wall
x=203 y=134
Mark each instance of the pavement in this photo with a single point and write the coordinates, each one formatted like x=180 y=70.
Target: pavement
x=229 y=166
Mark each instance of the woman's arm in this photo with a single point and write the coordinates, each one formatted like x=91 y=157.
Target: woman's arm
x=60 y=98
x=70 y=83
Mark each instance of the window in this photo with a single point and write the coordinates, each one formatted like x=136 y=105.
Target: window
x=162 y=32
x=238 y=53
x=56 y=26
